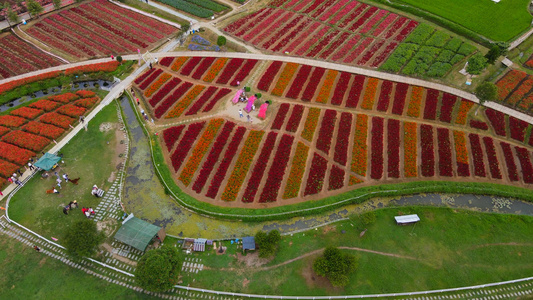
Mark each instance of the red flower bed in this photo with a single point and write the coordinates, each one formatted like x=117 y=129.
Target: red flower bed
x=240 y=22
x=171 y=99
x=166 y=61
x=280 y=116
x=355 y=53
x=512 y=171
x=362 y=19
x=372 y=22
x=258 y=26
x=351 y=5
x=310 y=90
x=169 y=86
x=430 y=109
x=225 y=163
x=497 y=120
x=335 y=45
x=244 y=72
x=355 y=91
x=198 y=104
x=150 y=79
x=7 y=169
x=304 y=48
x=302 y=36
x=525 y=162
x=15 y=154
x=333 y=9
x=326 y=130
x=326 y=40
x=190 y=65
x=171 y=135
x=336 y=178
x=461 y=154
x=340 y=88
x=277 y=169
x=213 y=156
x=376 y=171
x=12 y=121
x=517 y=128
x=86 y=102
x=269 y=75
x=343 y=138
x=445 y=152
x=57 y=120
x=26 y=140
x=47 y=39
x=26 y=112
x=145 y=75
x=292 y=34
x=71 y=110
x=383 y=55
x=446 y=110
x=479 y=125
x=477 y=155
x=395 y=27
x=299 y=82
x=399 y=98
x=428 y=155
x=185 y=144
x=509 y=82
x=315 y=180
x=406 y=30
x=223 y=92
x=383 y=25
x=384 y=96
x=259 y=168
x=4 y=130
x=295 y=118
x=393 y=148
x=352 y=16
x=313 y=6
x=341 y=52
x=45 y=105
x=15 y=83
x=289 y=27
x=494 y=165
x=64 y=98
x=85 y=94
x=370 y=52
x=520 y=92
x=46 y=130
x=98 y=67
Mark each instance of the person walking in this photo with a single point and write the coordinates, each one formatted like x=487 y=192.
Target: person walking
x=37 y=248
x=55 y=190
x=66 y=209
x=65 y=177
x=59 y=182
x=240 y=112
x=30 y=166
x=248 y=116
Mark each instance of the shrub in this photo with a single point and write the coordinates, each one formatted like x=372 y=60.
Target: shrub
x=221 y=40
x=476 y=64
x=189 y=8
x=211 y=5
x=438 y=39
x=158 y=269
x=457 y=58
x=453 y=44
x=466 y=49
x=267 y=243
x=493 y=54
x=487 y=91
x=335 y=266
x=421 y=33
x=445 y=56
x=399 y=57
x=438 y=69
x=83 y=238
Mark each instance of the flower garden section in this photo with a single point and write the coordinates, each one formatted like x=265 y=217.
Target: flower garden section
x=497 y=21
x=330 y=138
x=515 y=89
x=98 y=28
x=28 y=130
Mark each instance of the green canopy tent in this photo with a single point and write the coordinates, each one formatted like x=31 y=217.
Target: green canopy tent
x=138 y=233
x=47 y=162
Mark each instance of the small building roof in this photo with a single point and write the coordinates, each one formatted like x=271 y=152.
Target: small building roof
x=407 y=219
x=199 y=245
x=248 y=243
x=47 y=161
x=136 y=232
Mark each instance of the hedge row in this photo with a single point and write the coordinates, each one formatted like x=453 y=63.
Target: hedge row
x=189 y=7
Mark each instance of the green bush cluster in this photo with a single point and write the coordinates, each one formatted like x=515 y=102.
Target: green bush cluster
x=211 y=5
x=427 y=52
x=189 y=7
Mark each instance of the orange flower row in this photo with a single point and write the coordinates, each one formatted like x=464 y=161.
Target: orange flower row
x=297 y=171
x=109 y=66
x=310 y=123
x=15 y=83
x=359 y=153
x=460 y=146
x=199 y=151
x=242 y=165
x=416 y=101
x=410 y=150
x=284 y=78
x=370 y=93
x=176 y=66
x=323 y=96
x=463 y=112
x=215 y=69
x=354 y=180
x=185 y=102
x=157 y=84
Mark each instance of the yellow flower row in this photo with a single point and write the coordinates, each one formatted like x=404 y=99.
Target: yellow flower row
x=215 y=69
x=310 y=123
x=176 y=66
x=359 y=152
x=460 y=146
x=463 y=112
x=370 y=93
x=284 y=78
x=416 y=101
x=323 y=96
x=297 y=171
x=410 y=151
x=157 y=84
x=185 y=102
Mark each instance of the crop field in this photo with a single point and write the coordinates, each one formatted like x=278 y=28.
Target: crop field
x=497 y=21
x=199 y=8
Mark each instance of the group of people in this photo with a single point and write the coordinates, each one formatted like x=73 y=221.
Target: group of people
x=88 y=212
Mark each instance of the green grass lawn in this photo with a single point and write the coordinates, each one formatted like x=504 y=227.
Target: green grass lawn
x=27 y=274
x=88 y=156
x=497 y=21
x=450 y=248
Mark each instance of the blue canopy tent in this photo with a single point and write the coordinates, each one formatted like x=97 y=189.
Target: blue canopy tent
x=47 y=162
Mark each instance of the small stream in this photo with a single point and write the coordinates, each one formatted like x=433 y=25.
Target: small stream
x=145 y=197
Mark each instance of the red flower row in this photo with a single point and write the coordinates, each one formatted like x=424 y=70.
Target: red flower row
x=477 y=155
x=15 y=83
x=258 y=26
x=336 y=178
x=310 y=90
x=383 y=25
x=166 y=61
x=169 y=86
x=277 y=169
x=86 y=102
x=281 y=32
x=244 y=72
x=446 y=110
x=445 y=152
x=351 y=5
x=292 y=34
x=45 y=105
x=399 y=98
x=370 y=52
x=64 y=98
x=7 y=168
x=184 y=100
x=26 y=140
x=406 y=30
x=323 y=43
x=185 y=144
x=231 y=68
x=479 y=125
x=343 y=138
x=46 y=130
x=171 y=135
x=355 y=53
x=383 y=55
x=315 y=180
x=509 y=82
x=71 y=110
x=428 y=154
x=494 y=165
x=192 y=63
x=517 y=129
x=512 y=171
x=57 y=120
x=198 y=104
x=212 y=157
x=150 y=79
x=12 y=121
x=372 y=22
x=145 y=75
x=333 y=9
x=432 y=100
x=376 y=171
x=384 y=96
x=4 y=130
x=299 y=81
x=280 y=116
x=218 y=178
x=204 y=65
x=341 y=52
x=269 y=75
x=340 y=88
x=259 y=168
x=325 y=134
x=304 y=48
x=15 y=154
x=223 y=92
x=393 y=148
x=355 y=91
x=295 y=118
x=302 y=36
x=497 y=120
x=525 y=162
x=26 y=112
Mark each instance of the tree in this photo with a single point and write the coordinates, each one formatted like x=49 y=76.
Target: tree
x=476 y=64
x=57 y=4
x=493 y=54
x=83 y=238
x=12 y=16
x=487 y=91
x=119 y=59
x=267 y=243
x=221 y=40
x=34 y=8
x=335 y=266
x=158 y=269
